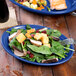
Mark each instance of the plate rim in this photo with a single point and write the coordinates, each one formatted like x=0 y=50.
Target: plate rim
x=30 y=62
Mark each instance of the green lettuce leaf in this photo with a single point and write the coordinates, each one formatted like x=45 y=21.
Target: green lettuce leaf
x=54 y=33
x=12 y=31
x=42 y=49
x=57 y=49
x=14 y=42
x=51 y=57
x=28 y=27
x=28 y=58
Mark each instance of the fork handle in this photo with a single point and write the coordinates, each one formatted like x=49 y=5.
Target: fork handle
x=75 y=42
x=73 y=13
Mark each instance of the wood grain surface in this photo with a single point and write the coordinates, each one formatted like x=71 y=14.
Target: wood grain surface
x=9 y=66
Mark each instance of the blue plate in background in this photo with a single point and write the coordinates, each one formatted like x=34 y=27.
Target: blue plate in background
x=71 y=4
x=5 y=42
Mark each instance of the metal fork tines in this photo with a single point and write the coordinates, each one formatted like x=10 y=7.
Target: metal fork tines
x=68 y=41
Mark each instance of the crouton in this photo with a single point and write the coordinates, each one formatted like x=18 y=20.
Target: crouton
x=28 y=35
x=43 y=35
x=20 y=37
x=37 y=36
x=47 y=45
x=45 y=40
x=31 y=31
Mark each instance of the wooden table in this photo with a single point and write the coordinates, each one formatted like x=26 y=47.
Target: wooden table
x=9 y=66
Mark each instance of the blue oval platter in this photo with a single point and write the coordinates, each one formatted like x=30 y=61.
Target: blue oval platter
x=5 y=42
x=71 y=6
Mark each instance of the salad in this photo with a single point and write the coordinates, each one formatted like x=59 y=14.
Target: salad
x=42 y=45
x=41 y=4
x=35 y=4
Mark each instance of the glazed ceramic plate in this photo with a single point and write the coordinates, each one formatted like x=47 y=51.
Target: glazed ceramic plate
x=71 y=4
x=5 y=45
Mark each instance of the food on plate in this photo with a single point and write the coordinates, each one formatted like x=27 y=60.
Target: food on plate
x=47 y=45
x=50 y=60
x=34 y=42
x=18 y=53
x=58 y=4
x=14 y=34
x=28 y=35
x=42 y=45
x=35 y=4
x=41 y=4
x=31 y=31
x=21 y=37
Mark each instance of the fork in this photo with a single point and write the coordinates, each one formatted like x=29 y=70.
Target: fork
x=68 y=41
